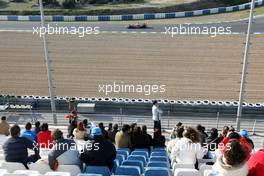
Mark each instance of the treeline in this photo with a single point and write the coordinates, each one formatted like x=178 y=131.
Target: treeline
x=68 y=4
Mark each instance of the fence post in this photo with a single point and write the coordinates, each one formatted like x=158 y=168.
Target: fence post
x=168 y=119
x=121 y=115
x=253 y=129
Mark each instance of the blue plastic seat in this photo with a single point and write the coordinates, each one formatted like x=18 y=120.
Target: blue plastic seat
x=141 y=149
x=135 y=163
x=123 y=152
x=128 y=170
x=89 y=175
x=158 y=149
x=159 y=154
x=116 y=164
x=158 y=164
x=124 y=149
x=120 y=158
x=141 y=153
x=138 y=158
x=103 y=170
x=159 y=158
x=157 y=171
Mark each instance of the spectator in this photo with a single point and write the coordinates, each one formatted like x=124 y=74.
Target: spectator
x=232 y=129
x=221 y=136
x=203 y=135
x=101 y=153
x=79 y=132
x=256 y=164
x=156 y=115
x=244 y=134
x=72 y=116
x=140 y=140
x=188 y=149
x=71 y=127
x=37 y=128
x=16 y=148
x=104 y=132
x=133 y=127
x=72 y=104
x=85 y=123
x=4 y=126
x=87 y=127
x=110 y=127
x=234 y=135
x=44 y=137
x=233 y=161
x=171 y=143
x=112 y=133
x=211 y=140
x=224 y=131
x=64 y=151
x=174 y=130
x=122 y=138
x=149 y=137
x=173 y=133
x=28 y=133
x=158 y=139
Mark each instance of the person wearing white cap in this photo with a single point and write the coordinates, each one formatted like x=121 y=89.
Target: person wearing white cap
x=98 y=151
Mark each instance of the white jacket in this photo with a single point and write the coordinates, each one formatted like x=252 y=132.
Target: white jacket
x=220 y=168
x=156 y=113
x=186 y=152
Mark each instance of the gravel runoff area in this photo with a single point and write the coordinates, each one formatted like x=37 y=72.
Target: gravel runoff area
x=191 y=67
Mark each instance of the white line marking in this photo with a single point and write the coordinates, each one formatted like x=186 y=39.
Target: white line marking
x=16 y=30
x=131 y=32
x=104 y=32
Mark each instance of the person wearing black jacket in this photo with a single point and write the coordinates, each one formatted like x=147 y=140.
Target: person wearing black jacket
x=158 y=139
x=149 y=137
x=99 y=151
x=104 y=132
x=140 y=140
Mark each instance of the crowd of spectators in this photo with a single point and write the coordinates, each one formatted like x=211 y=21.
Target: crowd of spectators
x=233 y=150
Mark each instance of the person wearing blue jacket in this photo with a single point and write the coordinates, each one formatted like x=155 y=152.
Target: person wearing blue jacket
x=28 y=133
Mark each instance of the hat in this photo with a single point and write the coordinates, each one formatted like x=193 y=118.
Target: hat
x=244 y=133
x=96 y=131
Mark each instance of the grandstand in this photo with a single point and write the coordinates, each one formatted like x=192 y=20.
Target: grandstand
x=128 y=162
x=193 y=135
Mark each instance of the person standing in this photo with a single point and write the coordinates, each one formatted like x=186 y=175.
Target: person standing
x=156 y=115
x=72 y=104
x=4 y=126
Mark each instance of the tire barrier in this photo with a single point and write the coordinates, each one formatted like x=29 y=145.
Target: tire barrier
x=131 y=106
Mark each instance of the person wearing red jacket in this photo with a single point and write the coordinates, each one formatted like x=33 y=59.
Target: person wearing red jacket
x=44 y=137
x=256 y=164
x=234 y=135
